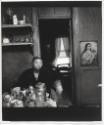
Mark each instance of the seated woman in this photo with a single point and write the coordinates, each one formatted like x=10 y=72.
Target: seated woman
x=58 y=95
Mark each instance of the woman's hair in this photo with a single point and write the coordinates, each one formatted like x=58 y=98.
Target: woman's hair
x=87 y=45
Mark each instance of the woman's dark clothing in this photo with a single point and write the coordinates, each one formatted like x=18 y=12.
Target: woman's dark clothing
x=45 y=76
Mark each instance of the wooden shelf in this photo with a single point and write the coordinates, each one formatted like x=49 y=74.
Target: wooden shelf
x=16 y=44
x=7 y=26
x=11 y=26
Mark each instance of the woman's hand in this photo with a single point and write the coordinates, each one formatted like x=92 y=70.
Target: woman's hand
x=51 y=103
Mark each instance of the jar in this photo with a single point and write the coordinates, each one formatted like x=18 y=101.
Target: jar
x=15 y=20
x=8 y=17
x=40 y=94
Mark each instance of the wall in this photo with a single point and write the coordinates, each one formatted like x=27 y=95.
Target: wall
x=15 y=61
x=86 y=27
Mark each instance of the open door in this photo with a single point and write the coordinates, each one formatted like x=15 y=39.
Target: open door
x=56 y=51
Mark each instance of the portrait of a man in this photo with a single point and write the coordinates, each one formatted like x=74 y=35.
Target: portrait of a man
x=88 y=53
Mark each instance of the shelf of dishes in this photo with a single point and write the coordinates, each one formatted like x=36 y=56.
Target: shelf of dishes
x=8 y=26
x=16 y=44
x=16 y=39
x=12 y=19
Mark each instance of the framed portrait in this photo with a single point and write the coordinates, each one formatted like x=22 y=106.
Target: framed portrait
x=88 y=53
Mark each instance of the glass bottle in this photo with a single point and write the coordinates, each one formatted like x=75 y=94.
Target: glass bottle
x=15 y=20
x=8 y=17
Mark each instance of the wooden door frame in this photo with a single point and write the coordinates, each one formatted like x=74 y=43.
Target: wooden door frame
x=72 y=51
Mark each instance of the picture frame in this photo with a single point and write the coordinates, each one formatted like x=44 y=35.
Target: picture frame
x=89 y=53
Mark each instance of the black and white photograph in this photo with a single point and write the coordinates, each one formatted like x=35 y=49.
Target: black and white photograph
x=88 y=53
x=51 y=60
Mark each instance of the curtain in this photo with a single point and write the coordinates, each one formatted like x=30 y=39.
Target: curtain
x=62 y=46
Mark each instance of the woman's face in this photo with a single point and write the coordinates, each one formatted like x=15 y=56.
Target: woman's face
x=89 y=47
x=37 y=64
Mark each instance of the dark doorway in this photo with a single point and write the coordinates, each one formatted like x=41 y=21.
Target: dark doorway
x=50 y=29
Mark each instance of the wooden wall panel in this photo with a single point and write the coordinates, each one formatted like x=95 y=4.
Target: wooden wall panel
x=89 y=86
x=36 y=39
x=54 y=12
x=46 y=12
x=87 y=27
x=62 y=12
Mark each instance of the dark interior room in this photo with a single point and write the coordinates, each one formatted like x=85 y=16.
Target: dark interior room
x=57 y=44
